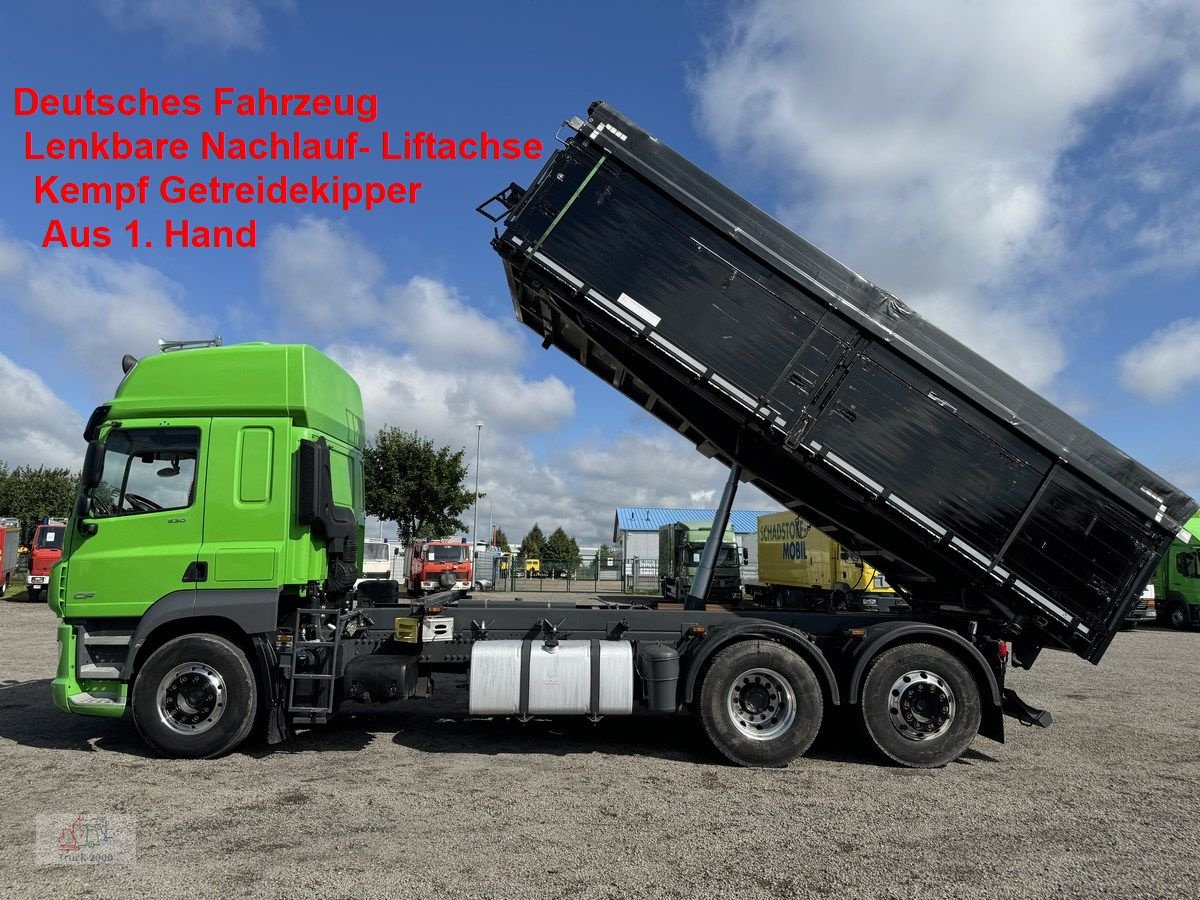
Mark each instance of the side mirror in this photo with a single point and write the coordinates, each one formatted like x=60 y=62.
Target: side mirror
x=745 y=556
x=93 y=466
x=83 y=509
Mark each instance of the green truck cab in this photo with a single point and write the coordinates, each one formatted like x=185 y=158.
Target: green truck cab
x=221 y=490
x=1177 y=581
x=679 y=547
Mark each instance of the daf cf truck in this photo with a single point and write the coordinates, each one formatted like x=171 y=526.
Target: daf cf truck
x=206 y=587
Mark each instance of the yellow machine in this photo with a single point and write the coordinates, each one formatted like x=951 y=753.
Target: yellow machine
x=533 y=568
x=798 y=565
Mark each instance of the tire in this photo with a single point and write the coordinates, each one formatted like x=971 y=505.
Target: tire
x=4 y=586
x=34 y=594
x=745 y=684
x=183 y=670
x=1177 y=616
x=931 y=673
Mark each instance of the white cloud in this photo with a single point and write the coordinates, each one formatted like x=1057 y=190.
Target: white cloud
x=437 y=323
x=36 y=427
x=443 y=398
x=1166 y=364
x=658 y=469
x=218 y=24
x=95 y=308
x=424 y=357
x=322 y=278
x=921 y=142
x=579 y=486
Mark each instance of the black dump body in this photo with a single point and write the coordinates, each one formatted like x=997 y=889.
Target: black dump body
x=963 y=486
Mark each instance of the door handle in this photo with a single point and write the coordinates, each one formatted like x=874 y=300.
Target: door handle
x=195 y=572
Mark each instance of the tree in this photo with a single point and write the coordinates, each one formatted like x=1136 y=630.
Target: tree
x=604 y=553
x=31 y=494
x=533 y=544
x=417 y=486
x=501 y=540
x=562 y=549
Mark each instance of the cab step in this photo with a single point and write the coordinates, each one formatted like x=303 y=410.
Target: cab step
x=89 y=670
x=97 y=700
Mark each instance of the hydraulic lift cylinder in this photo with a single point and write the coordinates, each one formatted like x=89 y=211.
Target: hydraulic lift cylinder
x=698 y=597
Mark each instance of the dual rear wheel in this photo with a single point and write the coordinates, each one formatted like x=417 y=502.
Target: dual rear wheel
x=762 y=705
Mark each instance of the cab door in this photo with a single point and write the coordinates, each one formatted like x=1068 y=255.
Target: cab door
x=146 y=519
x=246 y=523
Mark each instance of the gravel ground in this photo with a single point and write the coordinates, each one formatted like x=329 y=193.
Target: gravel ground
x=426 y=803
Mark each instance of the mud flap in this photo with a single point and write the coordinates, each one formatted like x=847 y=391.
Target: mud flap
x=270 y=690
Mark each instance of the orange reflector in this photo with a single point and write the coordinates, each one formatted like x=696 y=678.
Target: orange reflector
x=698 y=629
x=434 y=610
x=858 y=632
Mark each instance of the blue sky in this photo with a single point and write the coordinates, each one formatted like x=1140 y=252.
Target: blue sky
x=1023 y=174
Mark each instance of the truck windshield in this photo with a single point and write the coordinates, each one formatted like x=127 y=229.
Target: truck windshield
x=147 y=470
x=455 y=553
x=375 y=551
x=49 y=538
x=726 y=556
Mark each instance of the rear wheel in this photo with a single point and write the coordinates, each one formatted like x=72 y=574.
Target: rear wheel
x=195 y=697
x=760 y=704
x=920 y=705
x=34 y=594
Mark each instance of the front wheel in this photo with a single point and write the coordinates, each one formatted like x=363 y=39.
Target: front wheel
x=195 y=697
x=760 y=704
x=1177 y=616
x=920 y=706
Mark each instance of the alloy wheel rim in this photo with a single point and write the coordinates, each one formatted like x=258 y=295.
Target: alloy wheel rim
x=921 y=705
x=761 y=704
x=191 y=698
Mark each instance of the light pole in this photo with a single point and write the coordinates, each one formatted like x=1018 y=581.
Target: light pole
x=475 y=519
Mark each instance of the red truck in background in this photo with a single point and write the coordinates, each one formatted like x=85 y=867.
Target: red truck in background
x=44 y=551
x=438 y=565
x=10 y=551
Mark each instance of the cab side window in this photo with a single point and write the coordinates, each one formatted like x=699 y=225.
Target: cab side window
x=147 y=470
x=1188 y=565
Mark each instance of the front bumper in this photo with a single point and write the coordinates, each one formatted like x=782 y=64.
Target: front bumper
x=437 y=586
x=87 y=697
x=1143 y=612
